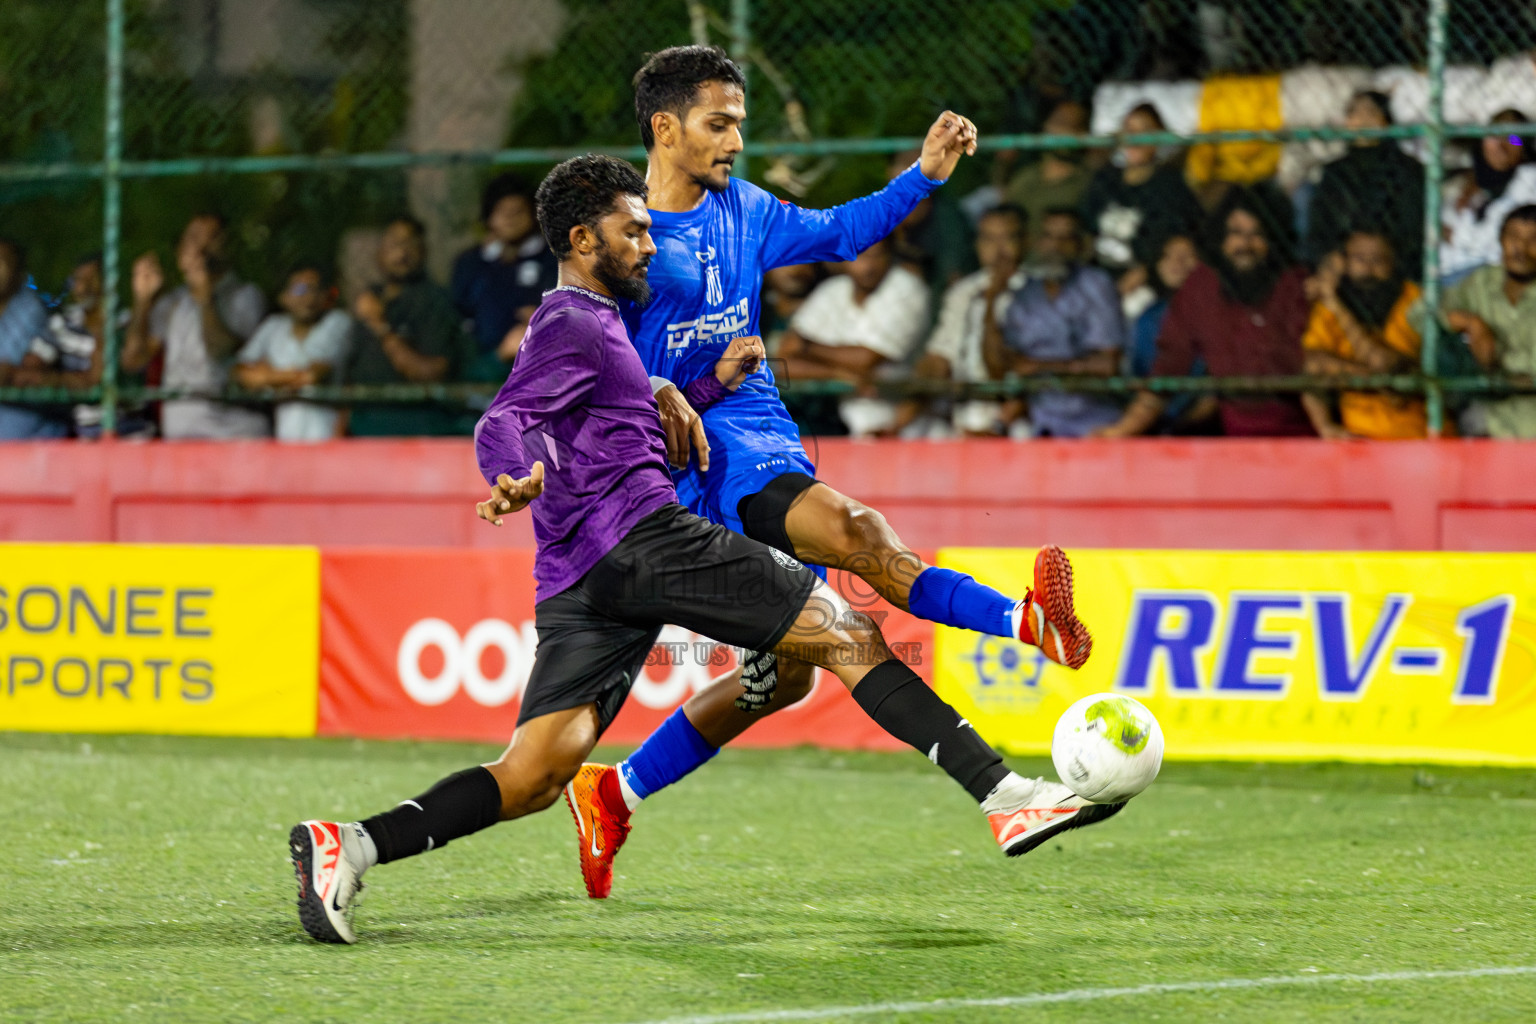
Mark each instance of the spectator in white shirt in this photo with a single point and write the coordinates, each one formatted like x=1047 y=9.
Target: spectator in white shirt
x=304 y=345
x=1476 y=201
x=954 y=349
x=200 y=327
x=867 y=317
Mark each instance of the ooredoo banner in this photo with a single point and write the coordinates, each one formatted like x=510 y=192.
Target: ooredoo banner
x=438 y=644
x=219 y=641
x=1252 y=655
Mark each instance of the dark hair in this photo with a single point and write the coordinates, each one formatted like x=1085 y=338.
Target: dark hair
x=1075 y=104
x=87 y=260
x=1371 y=231
x=1150 y=245
x=501 y=187
x=416 y=226
x=1151 y=111
x=1266 y=204
x=582 y=191
x=670 y=80
x=1380 y=100
x=309 y=266
x=213 y=215
x=1065 y=211
x=1525 y=214
x=1013 y=210
x=1511 y=115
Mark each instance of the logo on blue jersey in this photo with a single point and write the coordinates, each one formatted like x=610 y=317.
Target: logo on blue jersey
x=727 y=323
x=714 y=292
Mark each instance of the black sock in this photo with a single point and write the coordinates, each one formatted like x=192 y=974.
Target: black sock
x=904 y=706
x=464 y=802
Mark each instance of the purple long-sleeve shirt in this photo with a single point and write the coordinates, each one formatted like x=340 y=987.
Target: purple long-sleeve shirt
x=579 y=400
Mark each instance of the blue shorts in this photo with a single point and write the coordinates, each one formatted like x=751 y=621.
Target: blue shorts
x=717 y=494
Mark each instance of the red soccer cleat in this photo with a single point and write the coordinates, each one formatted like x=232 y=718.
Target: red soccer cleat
x=602 y=824
x=1047 y=620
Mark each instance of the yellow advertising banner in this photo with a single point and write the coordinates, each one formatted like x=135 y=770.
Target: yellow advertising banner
x=1273 y=655
x=215 y=641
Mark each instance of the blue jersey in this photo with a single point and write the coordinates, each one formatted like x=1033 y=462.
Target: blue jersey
x=706 y=281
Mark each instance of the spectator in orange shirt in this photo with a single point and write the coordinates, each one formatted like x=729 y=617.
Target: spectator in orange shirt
x=1360 y=325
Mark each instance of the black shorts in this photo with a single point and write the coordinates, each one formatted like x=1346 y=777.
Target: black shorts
x=672 y=567
x=763 y=514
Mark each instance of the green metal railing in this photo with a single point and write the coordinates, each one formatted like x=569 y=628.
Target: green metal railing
x=115 y=168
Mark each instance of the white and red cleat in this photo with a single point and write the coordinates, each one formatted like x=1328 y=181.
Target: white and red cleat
x=329 y=879
x=602 y=824
x=1046 y=618
x=1030 y=811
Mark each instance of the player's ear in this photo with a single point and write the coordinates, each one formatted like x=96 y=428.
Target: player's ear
x=665 y=127
x=583 y=240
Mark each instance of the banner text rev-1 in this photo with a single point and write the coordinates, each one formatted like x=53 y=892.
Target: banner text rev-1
x=1258 y=655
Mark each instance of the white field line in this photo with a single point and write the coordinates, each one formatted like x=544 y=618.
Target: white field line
x=1083 y=995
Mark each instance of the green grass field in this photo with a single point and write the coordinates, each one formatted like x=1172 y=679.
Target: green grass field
x=145 y=879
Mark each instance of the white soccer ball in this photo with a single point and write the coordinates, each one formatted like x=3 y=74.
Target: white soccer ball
x=1107 y=747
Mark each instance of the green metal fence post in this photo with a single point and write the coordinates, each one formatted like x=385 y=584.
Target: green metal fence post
x=1434 y=174
x=741 y=41
x=112 y=215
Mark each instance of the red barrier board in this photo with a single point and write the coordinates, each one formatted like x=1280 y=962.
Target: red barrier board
x=1211 y=493
x=438 y=644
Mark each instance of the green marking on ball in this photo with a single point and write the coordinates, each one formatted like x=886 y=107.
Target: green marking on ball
x=1122 y=725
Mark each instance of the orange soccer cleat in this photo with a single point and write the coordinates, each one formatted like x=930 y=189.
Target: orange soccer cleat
x=1046 y=618
x=1033 y=810
x=602 y=824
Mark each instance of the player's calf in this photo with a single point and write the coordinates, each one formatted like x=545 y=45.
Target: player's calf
x=832 y=529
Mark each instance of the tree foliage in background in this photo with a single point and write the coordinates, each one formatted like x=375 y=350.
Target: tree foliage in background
x=862 y=69
x=52 y=87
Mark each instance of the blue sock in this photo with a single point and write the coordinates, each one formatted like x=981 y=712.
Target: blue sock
x=669 y=753
x=955 y=599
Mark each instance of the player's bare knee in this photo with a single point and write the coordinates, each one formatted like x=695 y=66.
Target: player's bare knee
x=795 y=681
x=530 y=782
x=545 y=796
x=863 y=532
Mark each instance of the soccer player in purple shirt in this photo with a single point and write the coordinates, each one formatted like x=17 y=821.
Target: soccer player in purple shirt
x=715 y=236
x=576 y=431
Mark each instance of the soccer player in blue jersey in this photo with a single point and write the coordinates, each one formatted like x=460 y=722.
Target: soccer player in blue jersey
x=715 y=236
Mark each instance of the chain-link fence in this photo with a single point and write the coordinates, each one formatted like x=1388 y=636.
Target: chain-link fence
x=309 y=122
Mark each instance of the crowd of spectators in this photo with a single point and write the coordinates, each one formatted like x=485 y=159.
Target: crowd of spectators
x=208 y=328
x=1126 y=269
x=1070 y=265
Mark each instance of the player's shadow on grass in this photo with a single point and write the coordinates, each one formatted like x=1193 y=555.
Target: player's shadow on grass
x=922 y=938
x=275 y=929
x=854 y=929
x=556 y=904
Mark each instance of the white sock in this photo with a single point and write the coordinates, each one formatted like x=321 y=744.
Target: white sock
x=1016 y=617
x=357 y=844
x=631 y=798
x=1009 y=795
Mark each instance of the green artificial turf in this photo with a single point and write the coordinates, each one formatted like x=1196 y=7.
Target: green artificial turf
x=145 y=878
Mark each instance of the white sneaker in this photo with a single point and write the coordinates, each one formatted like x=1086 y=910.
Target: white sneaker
x=1024 y=813
x=329 y=865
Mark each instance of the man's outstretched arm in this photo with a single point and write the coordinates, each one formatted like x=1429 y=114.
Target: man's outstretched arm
x=796 y=235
